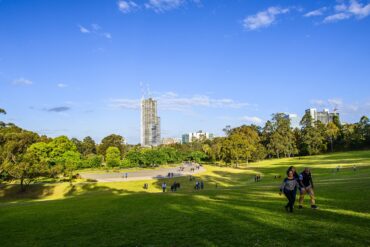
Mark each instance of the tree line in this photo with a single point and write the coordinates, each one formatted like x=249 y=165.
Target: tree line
x=26 y=156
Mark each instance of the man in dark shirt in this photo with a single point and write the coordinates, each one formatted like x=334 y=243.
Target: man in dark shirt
x=306 y=187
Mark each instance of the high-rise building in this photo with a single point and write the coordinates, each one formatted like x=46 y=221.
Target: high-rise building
x=150 y=123
x=324 y=116
x=200 y=135
x=170 y=141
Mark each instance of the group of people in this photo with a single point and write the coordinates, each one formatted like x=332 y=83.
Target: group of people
x=199 y=185
x=171 y=175
x=257 y=178
x=175 y=186
x=294 y=182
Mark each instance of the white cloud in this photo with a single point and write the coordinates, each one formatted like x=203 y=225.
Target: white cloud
x=253 y=120
x=126 y=6
x=346 y=11
x=62 y=85
x=22 y=81
x=316 y=12
x=95 y=30
x=264 y=18
x=83 y=29
x=172 y=101
x=337 y=17
x=358 y=9
x=164 y=5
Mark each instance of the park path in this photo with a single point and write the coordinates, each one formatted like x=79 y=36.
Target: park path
x=160 y=173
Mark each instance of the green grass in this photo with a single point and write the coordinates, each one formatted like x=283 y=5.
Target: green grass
x=237 y=213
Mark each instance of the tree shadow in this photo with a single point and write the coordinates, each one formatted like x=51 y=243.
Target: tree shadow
x=12 y=192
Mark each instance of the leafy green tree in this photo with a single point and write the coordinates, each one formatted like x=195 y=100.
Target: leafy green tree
x=93 y=161
x=153 y=157
x=112 y=141
x=313 y=139
x=133 y=157
x=197 y=156
x=113 y=157
x=72 y=161
x=332 y=132
x=2 y=111
x=88 y=146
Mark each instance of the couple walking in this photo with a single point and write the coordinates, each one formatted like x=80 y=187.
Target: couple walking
x=292 y=183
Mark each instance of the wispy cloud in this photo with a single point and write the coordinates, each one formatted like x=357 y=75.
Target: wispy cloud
x=264 y=18
x=22 y=81
x=126 y=6
x=317 y=12
x=348 y=10
x=164 y=5
x=58 y=109
x=94 y=29
x=173 y=102
x=83 y=29
x=62 y=85
x=253 y=120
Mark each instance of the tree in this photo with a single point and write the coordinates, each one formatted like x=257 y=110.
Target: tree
x=29 y=165
x=93 y=161
x=72 y=160
x=88 y=146
x=2 y=111
x=113 y=157
x=332 y=132
x=112 y=141
x=279 y=137
x=197 y=156
x=313 y=139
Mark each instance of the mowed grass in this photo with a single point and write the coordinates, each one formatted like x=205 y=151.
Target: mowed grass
x=239 y=212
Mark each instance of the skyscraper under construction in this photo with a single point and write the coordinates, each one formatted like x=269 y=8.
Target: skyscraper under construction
x=150 y=123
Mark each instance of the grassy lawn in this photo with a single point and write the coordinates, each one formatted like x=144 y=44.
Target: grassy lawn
x=239 y=212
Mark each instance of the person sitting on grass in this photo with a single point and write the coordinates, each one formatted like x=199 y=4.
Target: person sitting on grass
x=306 y=187
x=289 y=187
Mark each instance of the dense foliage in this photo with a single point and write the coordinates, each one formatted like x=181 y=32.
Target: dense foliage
x=26 y=156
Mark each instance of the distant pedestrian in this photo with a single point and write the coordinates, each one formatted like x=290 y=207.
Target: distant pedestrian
x=354 y=168
x=164 y=186
x=201 y=185
x=126 y=175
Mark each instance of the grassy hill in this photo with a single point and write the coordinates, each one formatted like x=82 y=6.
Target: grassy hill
x=239 y=212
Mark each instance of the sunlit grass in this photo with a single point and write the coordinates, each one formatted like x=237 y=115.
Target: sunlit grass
x=238 y=212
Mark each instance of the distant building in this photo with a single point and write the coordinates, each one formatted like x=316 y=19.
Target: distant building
x=150 y=123
x=324 y=116
x=170 y=141
x=200 y=135
x=294 y=120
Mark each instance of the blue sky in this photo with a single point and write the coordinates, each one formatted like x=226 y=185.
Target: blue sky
x=79 y=68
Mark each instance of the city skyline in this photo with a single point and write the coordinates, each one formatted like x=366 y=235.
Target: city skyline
x=208 y=64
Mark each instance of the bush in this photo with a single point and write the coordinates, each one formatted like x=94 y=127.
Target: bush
x=113 y=157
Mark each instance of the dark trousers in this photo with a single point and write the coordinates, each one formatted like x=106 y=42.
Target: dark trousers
x=291 y=196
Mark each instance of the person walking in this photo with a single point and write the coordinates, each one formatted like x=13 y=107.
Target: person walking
x=164 y=186
x=306 y=187
x=296 y=177
x=289 y=187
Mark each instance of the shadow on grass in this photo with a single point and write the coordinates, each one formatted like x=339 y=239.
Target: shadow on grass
x=208 y=218
x=12 y=192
